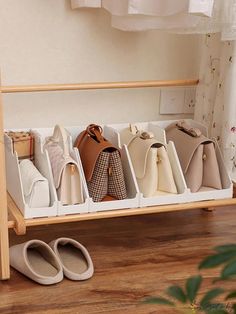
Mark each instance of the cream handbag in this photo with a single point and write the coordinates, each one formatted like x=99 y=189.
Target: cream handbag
x=197 y=156
x=150 y=161
x=65 y=169
x=35 y=186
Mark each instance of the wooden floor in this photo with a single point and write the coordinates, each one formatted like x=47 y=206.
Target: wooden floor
x=134 y=257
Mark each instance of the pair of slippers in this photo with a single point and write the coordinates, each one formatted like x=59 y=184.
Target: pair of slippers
x=47 y=264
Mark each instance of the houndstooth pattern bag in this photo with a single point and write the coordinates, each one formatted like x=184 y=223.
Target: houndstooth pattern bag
x=102 y=166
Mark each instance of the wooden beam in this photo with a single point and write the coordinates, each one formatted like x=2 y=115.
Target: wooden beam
x=98 y=85
x=4 y=241
x=15 y=214
x=126 y=212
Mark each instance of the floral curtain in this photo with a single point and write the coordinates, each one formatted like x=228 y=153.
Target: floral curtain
x=216 y=95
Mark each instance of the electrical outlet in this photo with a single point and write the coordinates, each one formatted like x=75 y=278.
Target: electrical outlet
x=189 y=100
x=172 y=101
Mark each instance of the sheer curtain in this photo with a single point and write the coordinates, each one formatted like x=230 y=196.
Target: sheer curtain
x=216 y=92
x=216 y=95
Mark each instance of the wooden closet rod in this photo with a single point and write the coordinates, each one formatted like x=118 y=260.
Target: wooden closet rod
x=98 y=85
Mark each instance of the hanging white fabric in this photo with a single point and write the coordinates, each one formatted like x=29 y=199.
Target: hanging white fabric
x=138 y=15
x=75 y=4
x=145 y=7
x=201 y=7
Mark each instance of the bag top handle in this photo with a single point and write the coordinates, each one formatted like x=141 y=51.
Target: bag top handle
x=95 y=130
x=60 y=136
x=183 y=126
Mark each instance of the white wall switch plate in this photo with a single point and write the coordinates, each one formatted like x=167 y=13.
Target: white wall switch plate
x=172 y=101
x=190 y=100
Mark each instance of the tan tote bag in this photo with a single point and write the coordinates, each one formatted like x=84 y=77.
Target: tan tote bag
x=65 y=169
x=150 y=161
x=197 y=156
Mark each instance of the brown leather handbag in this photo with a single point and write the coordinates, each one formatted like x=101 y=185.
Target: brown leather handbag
x=197 y=156
x=102 y=165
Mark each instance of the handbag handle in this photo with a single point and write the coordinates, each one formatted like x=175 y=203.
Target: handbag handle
x=95 y=130
x=60 y=136
x=183 y=126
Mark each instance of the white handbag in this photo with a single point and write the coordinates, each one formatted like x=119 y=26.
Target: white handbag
x=65 y=169
x=35 y=186
x=150 y=161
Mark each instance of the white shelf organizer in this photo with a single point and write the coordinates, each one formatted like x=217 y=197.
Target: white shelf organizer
x=17 y=221
x=40 y=135
x=132 y=200
x=14 y=181
x=159 y=134
x=205 y=193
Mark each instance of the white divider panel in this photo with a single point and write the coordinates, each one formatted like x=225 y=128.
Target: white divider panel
x=14 y=182
x=165 y=198
x=41 y=134
x=132 y=200
x=205 y=193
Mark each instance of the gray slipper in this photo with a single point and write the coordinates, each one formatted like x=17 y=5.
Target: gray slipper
x=74 y=257
x=37 y=261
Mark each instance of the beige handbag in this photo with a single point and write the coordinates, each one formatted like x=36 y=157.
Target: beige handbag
x=150 y=161
x=65 y=169
x=197 y=156
x=35 y=186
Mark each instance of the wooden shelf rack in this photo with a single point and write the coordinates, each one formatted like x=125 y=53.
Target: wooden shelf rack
x=10 y=215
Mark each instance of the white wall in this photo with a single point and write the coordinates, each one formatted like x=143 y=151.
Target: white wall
x=44 y=41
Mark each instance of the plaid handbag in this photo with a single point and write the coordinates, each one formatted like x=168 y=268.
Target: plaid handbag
x=102 y=165
x=23 y=144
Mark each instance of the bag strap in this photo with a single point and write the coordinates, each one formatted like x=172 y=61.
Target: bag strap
x=91 y=143
x=183 y=126
x=95 y=131
x=186 y=128
x=60 y=136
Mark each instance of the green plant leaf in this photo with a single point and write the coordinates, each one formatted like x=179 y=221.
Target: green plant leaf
x=229 y=270
x=225 y=248
x=192 y=286
x=177 y=293
x=158 y=300
x=209 y=296
x=217 y=259
x=215 y=308
x=231 y=295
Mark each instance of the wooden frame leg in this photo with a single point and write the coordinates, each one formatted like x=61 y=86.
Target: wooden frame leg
x=4 y=237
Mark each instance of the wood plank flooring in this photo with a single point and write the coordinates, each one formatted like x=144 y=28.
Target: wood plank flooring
x=134 y=257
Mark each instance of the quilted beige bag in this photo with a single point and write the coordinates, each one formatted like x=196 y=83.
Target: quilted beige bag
x=150 y=161
x=197 y=156
x=35 y=186
x=65 y=169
